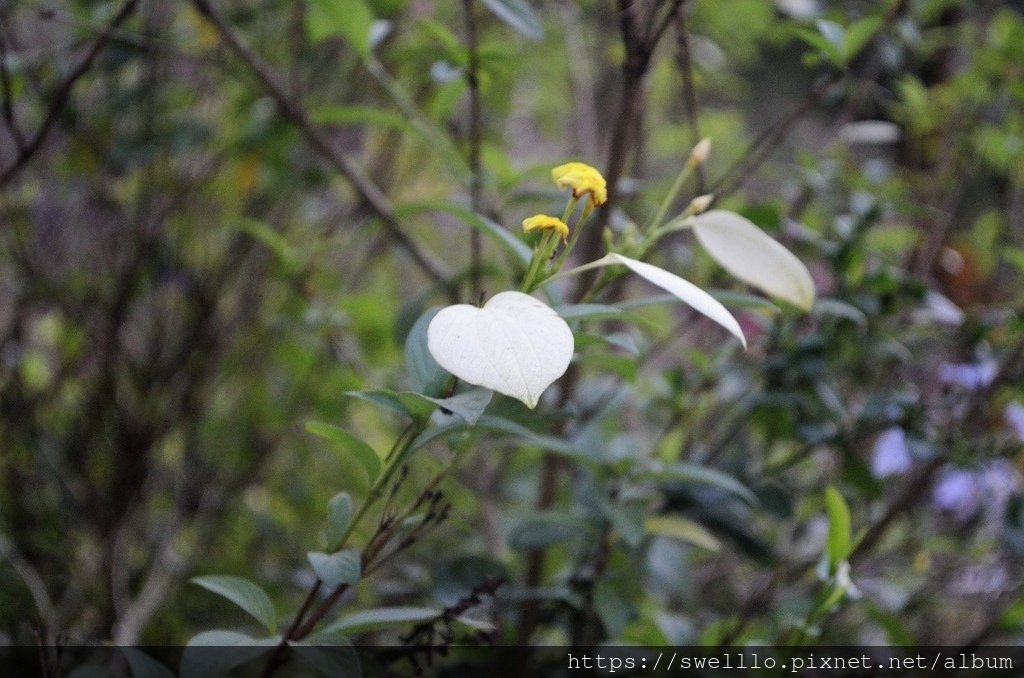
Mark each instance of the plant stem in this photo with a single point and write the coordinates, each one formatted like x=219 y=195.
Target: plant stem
x=475 y=143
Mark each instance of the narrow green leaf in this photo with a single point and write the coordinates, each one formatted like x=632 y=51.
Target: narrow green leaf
x=677 y=527
x=589 y=311
x=342 y=567
x=501 y=235
x=243 y=593
x=144 y=666
x=363 y=453
x=365 y=115
x=858 y=34
x=405 y=402
x=517 y=14
x=544 y=529
x=427 y=376
x=382 y=618
x=840 y=534
x=692 y=473
x=350 y=19
x=339 y=516
x=332 y=656
x=500 y=425
x=215 y=653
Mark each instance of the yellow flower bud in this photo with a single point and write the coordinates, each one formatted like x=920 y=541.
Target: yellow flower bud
x=582 y=179
x=543 y=221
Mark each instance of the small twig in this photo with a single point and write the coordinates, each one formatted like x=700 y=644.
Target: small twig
x=8 y=99
x=475 y=143
x=370 y=193
x=63 y=92
x=761 y=148
x=684 y=59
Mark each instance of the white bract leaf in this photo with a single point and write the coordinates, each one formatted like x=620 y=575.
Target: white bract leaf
x=514 y=345
x=683 y=289
x=748 y=253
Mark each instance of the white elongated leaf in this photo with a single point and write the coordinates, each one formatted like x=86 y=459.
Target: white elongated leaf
x=749 y=254
x=514 y=345
x=682 y=289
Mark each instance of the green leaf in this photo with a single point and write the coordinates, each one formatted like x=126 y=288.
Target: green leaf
x=144 y=666
x=365 y=115
x=339 y=517
x=342 y=567
x=331 y=655
x=273 y=241
x=516 y=247
x=499 y=425
x=682 y=529
x=469 y=405
x=692 y=473
x=589 y=311
x=613 y=607
x=406 y=402
x=90 y=671
x=741 y=300
x=518 y=15
x=840 y=534
x=543 y=529
x=383 y=618
x=840 y=309
x=350 y=19
x=363 y=453
x=215 y=653
x=243 y=593
x=427 y=376
x=858 y=34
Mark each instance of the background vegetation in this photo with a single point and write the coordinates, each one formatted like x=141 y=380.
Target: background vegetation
x=218 y=217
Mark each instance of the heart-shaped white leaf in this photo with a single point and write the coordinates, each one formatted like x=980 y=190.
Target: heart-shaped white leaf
x=514 y=345
x=752 y=256
x=670 y=282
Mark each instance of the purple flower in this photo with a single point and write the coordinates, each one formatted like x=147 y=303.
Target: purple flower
x=1014 y=417
x=968 y=375
x=957 y=492
x=890 y=456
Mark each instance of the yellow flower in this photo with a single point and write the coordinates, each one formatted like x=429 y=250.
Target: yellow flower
x=581 y=179
x=543 y=221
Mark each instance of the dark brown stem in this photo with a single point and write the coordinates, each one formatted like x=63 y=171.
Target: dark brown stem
x=63 y=92
x=685 y=61
x=8 y=99
x=475 y=142
x=294 y=112
x=763 y=146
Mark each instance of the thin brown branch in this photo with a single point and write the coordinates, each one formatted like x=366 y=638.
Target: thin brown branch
x=295 y=113
x=63 y=93
x=763 y=146
x=475 y=143
x=6 y=91
x=684 y=59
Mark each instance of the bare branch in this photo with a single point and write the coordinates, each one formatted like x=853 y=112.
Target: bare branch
x=371 y=194
x=63 y=92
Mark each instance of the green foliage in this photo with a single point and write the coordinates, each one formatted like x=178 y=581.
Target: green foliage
x=243 y=593
x=216 y=251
